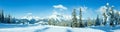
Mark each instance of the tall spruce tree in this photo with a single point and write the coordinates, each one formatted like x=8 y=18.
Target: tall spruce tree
x=9 y=19
x=74 y=19
x=2 y=16
x=112 y=18
x=104 y=19
x=97 y=21
x=89 y=23
x=80 y=19
x=117 y=17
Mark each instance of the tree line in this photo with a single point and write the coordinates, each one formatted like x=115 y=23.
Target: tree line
x=109 y=17
x=3 y=18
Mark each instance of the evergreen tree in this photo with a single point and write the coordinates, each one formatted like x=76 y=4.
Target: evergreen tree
x=80 y=19
x=117 y=17
x=119 y=20
x=50 y=21
x=94 y=22
x=105 y=18
x=105 y=14
x=9 y=19
x=89 y=22
x=1 y=17
x=112 y=17
x=74 y=19
x=97 y=21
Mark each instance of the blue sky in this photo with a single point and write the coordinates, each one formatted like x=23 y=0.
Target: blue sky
x=42 y=8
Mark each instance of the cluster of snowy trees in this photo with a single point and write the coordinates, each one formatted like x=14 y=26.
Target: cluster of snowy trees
x=7 y=19
x=109 y=17
x=58 y=23
x=75 y=22
x=80 y=23
x=4 y=19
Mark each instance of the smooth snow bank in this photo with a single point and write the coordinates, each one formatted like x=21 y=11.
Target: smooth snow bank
x=52 y=29
x=48 y=28
x=107 y=28
x=85 y=30
x=21 y=29
x=68 y=29
x=116 y=30
x=16 y=25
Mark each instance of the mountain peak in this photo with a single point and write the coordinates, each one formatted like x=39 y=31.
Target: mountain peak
x=29 y=16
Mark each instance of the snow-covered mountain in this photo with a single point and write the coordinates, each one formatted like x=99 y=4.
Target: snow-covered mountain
x=29 y=16
x=59 y=17
x=55 y=16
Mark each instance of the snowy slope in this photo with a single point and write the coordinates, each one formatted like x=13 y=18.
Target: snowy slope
x=47 y=28
x=116 y=30
x=21 y=29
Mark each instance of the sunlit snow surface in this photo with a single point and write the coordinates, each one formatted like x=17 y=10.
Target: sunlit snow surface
x=48 y=28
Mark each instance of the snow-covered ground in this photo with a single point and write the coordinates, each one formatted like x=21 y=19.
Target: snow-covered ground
x=48 y=28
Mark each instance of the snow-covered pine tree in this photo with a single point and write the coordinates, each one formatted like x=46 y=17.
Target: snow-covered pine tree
x=89 y=22
x=97 y=21
x=9 y=19
x=74 y=19
x=80 y=19
x=118 y=20
x=112 y=17
x=94 y=22
x=117 y=17
x=104 y=19
x=50 y=21
x=2 y=16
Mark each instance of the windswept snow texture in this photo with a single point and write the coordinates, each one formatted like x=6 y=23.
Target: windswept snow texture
x=48 y=28
x=108 y=28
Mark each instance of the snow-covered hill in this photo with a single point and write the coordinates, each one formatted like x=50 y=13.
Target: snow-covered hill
x=47 y=28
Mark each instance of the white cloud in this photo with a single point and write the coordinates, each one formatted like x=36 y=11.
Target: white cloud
x=102 y=9
x=61 y=7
